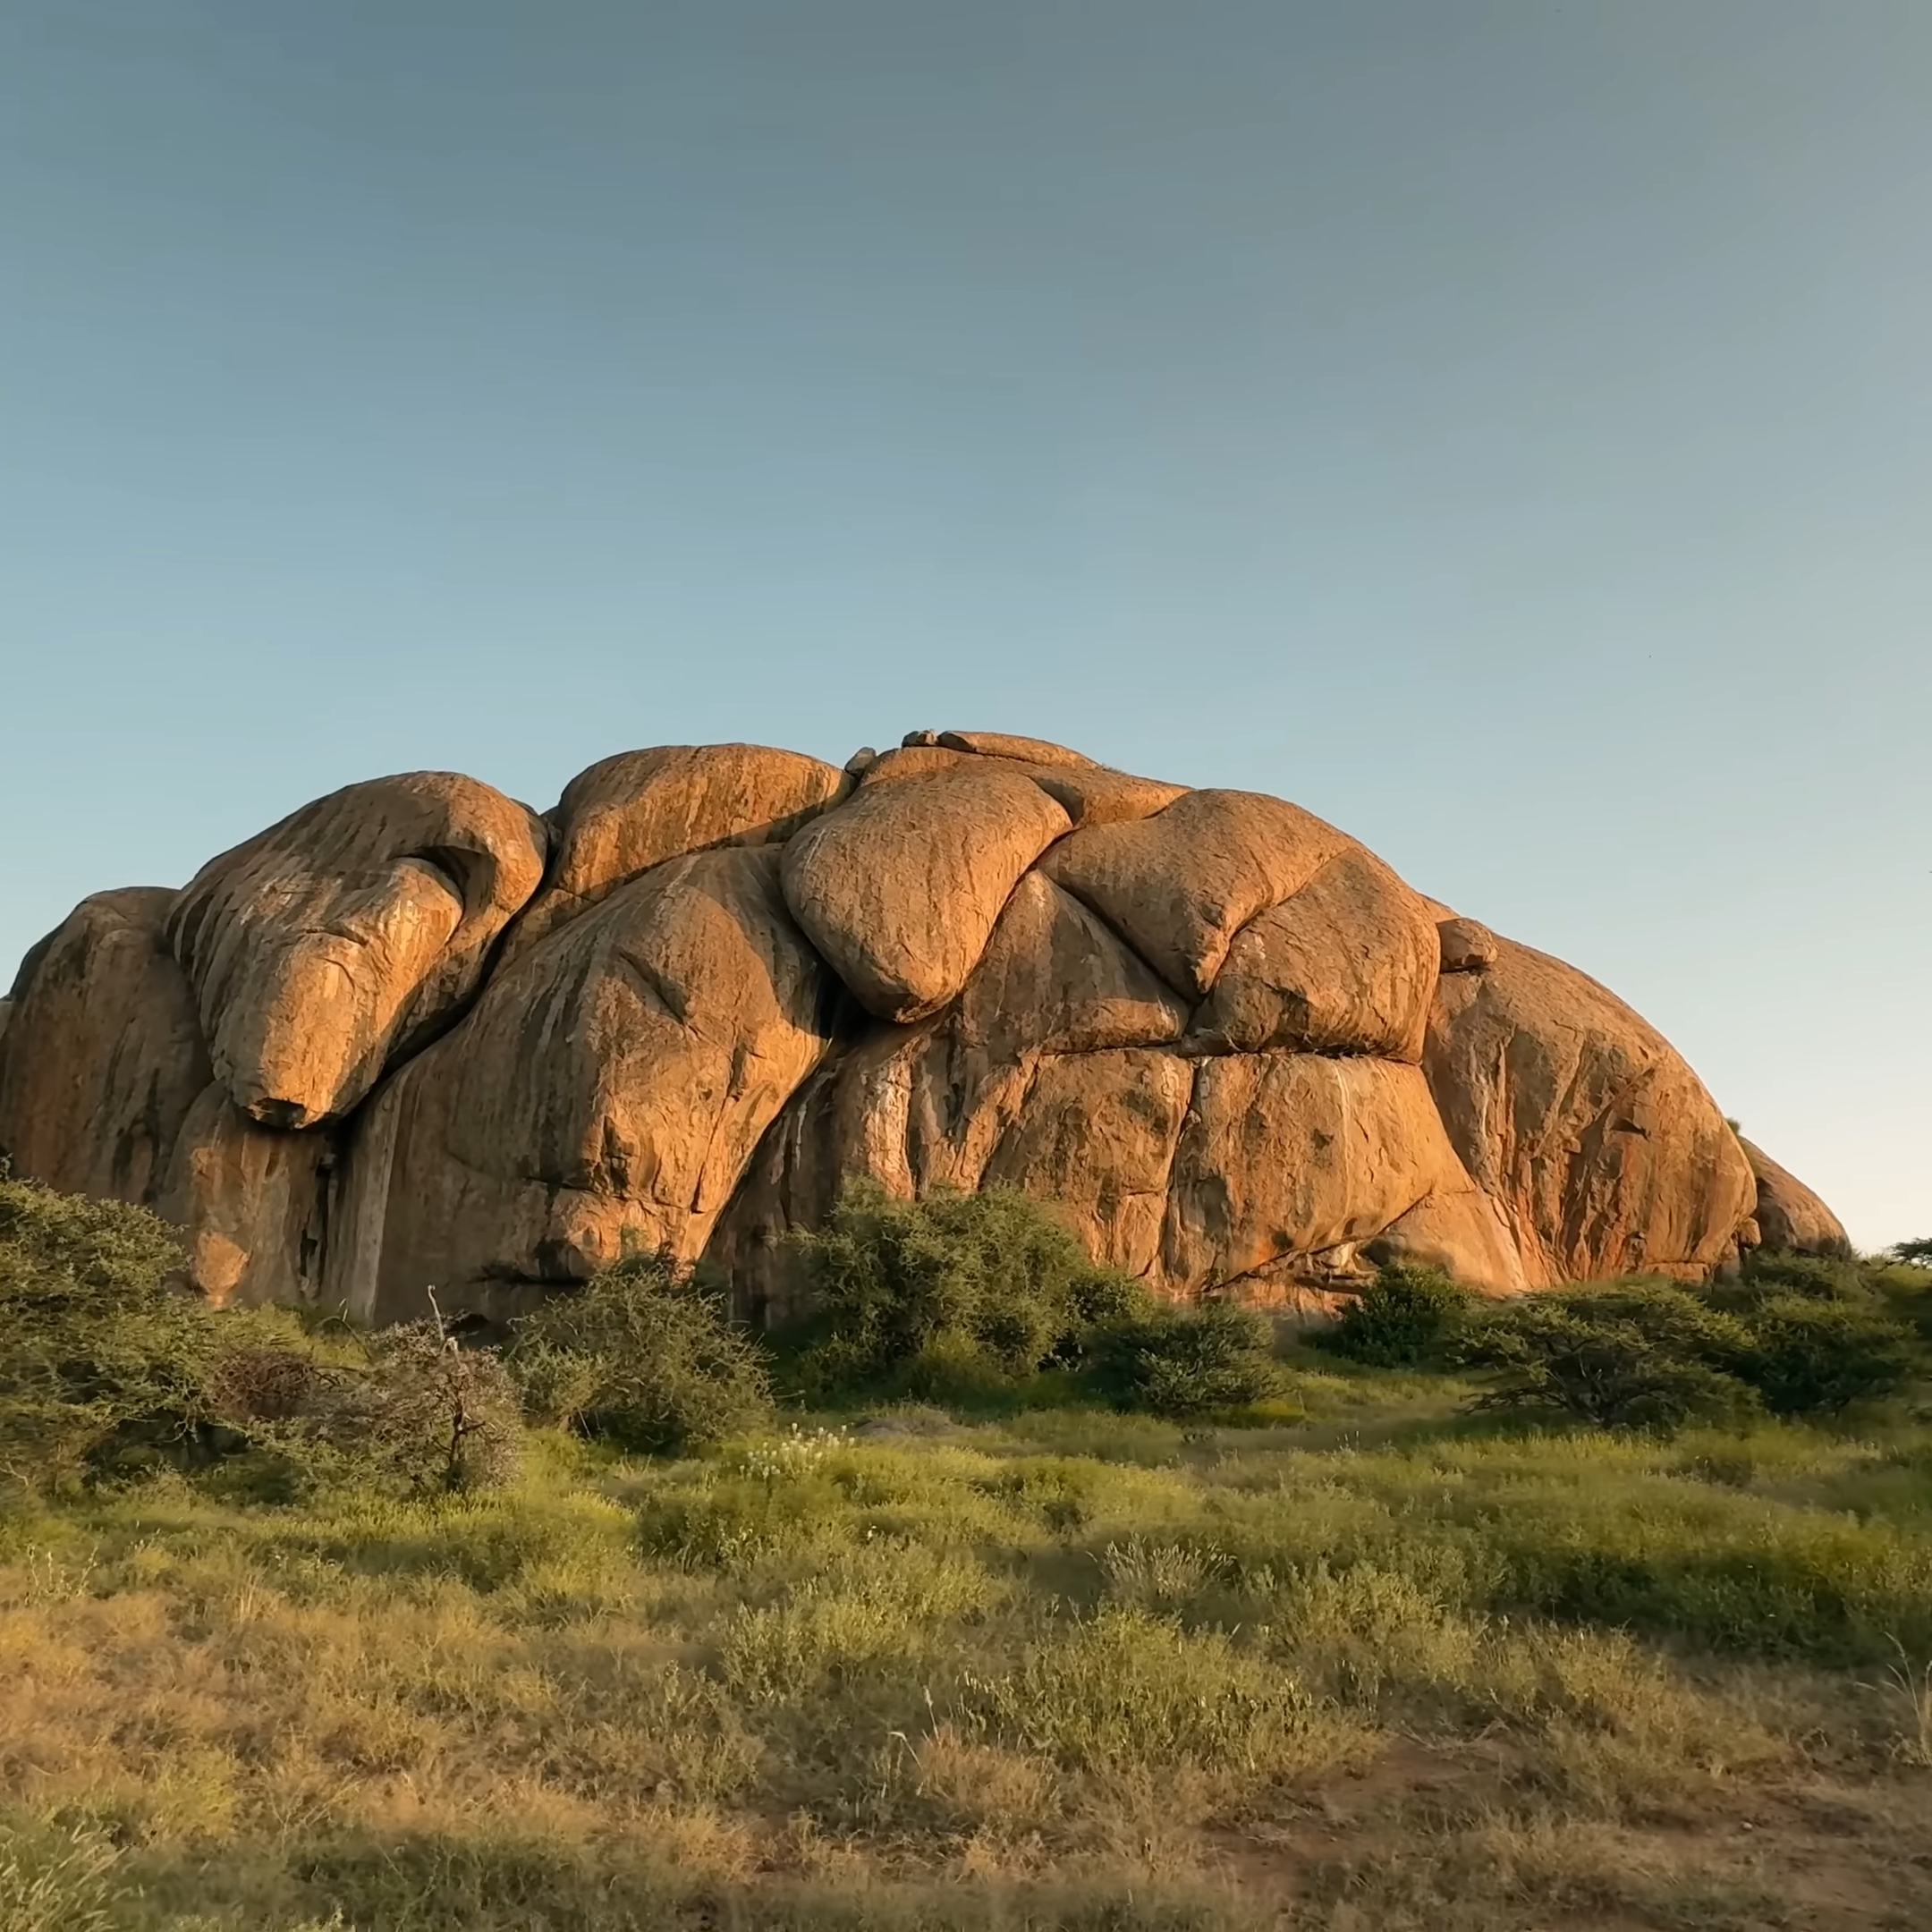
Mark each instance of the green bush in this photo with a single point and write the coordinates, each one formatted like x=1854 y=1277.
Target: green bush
x=974 y=1288
x=982 y=1293
x=1797 y=1335
x=1638 y=1354
x=108 y=1366
x=1187 y=1361
x=111 y=1368
x=1808 y=1355
x=1404 y=1317
x=1769 y=1271
x=645 y=1356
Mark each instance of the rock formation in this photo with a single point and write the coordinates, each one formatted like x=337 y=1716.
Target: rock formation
x=1789 y=1214
x=415 y=1035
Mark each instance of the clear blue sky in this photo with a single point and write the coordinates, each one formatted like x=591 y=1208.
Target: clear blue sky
x=1504 y=428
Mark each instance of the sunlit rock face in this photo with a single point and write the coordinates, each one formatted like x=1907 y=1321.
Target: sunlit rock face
x=418 y=1035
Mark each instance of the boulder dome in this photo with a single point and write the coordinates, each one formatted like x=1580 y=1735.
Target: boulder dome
x=416 y=1035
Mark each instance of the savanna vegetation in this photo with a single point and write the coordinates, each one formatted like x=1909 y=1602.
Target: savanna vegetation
x=998 y=1598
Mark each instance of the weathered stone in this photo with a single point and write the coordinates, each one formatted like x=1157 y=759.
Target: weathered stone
x=105 y=1089
x=1289 y=1156
x=1460 y=1231
x=1094 y=796
x=1346 y=965
x=912 y=761
x=606 y=1091
x=1466 y=946
x=102 y=1059
x=938 y=1104
x=1090 y=795
x=1010 y=745
x=1178 y=887
x=338 y=941
x=631 y=812
x=1096 y=1132
x=252 y=1202
x=900 y=888
x=1789 y=1214
x=1599 y=1145
x=1191 y=1018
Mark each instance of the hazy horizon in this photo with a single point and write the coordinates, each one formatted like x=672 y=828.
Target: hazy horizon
x=1502 y=430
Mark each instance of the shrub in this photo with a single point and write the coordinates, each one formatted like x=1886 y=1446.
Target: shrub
x=645 y=1356
x=1809 y=1354
x=1769 y=1271
x=1638 y=1354
x=1187 y=1362
x=421 y=1413
x=108 y=1368
x=1404 y=1317
x=974 y=1288
x=1916 y=1253
x=111 y=1368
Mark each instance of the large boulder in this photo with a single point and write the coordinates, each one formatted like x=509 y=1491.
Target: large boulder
x=1346 y=965
x=901 y=888
x=633 y=812
x=105 y=1089
x=1178 y=887
x=606 y=1093
x=1599 y=1143
x=1789 y=1214
x=379 y=1051
x=102 y=1059
x=332 y=945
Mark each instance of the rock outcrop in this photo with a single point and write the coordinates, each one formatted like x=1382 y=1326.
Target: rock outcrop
x=335 y=943
x=609 y=1088
x=415 y=1036
x=105 y=1089
x=1600 y=1148
x=1789 y=1214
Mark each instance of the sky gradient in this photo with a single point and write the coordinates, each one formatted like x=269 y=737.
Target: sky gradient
x=1502 y=429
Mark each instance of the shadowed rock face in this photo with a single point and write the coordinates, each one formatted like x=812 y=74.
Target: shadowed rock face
x=1789 y=1214
x=414 y=1035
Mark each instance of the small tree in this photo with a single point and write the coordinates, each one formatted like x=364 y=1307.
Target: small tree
x=1808 y=1355
x=1187 y=1361
x=1637 y=1354
x=644 y=1355
x=1405 y=1316
x=1918 y=1253
x=425 y=1413
x=979 y=1287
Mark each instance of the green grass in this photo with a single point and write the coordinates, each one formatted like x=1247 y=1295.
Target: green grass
x=1371 y=1662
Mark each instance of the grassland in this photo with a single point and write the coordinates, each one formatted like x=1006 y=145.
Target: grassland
x=1375 y=1665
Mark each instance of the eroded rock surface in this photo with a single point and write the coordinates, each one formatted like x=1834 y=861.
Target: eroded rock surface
x=381 y=1049
x=331 y=944
x=105 y=1089
x=102 y=1059
x=629 y=813
x=1178 y=887
x=606 y=1091
x=1601 y=1146
x=901 y=889
x=1788 y=1214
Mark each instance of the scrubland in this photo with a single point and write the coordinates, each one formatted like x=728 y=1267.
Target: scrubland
x=1356 y=1656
